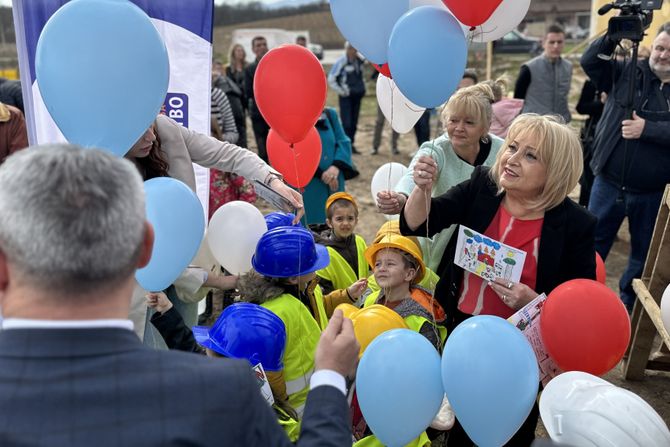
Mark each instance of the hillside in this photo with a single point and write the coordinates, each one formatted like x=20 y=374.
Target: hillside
x=320 y=24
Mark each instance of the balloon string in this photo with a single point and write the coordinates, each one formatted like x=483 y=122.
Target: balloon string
x=429 y=249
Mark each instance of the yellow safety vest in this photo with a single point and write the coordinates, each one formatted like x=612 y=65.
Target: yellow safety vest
x=339 y=272
x=290 y=425
x=372 y=441
x=428 y=282
x=414 y=322
x=302 y=335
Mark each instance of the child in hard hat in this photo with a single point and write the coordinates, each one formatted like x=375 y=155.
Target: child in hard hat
x=284 y=281
x=429 y=279
x=242 y=331
x=398 y=268
x=345 y=278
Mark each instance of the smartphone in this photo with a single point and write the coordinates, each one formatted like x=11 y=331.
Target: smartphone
x=273 y=197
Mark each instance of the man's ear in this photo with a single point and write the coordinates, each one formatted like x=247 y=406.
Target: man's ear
x=147 y=246
x=4 y=272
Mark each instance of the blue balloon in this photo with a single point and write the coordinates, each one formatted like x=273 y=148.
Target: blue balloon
x=399 y=386
x=427 y=54
x=179 y=226
x=496 y=246
x=491 y=378
x=478 y=238
x=367 y=24
x=103 y=72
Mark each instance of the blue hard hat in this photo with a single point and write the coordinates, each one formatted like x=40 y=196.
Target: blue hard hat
x=289 y=251
x=280 y=219
x=246 y=331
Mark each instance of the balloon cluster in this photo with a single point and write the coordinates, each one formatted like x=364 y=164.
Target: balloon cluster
x=71 y=72
x=488 y=371
x=420 y=46
x=290 y=91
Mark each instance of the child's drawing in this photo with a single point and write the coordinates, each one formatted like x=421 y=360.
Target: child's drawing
x=488 y=258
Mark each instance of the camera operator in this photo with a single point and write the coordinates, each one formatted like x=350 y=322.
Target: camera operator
x=631 y=158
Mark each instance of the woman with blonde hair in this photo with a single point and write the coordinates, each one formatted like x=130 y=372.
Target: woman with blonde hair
x=466 y=144
x=521 y=201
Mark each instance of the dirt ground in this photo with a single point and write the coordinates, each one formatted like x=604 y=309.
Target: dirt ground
x=655 y=388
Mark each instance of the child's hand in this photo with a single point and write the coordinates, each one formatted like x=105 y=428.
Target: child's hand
x=158 y=301
x=356 y=289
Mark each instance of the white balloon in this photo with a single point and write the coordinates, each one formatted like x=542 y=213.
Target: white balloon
x=580 y=409
x=233 y=233
x=386 y=177
x=398 y=110
x=665 y=308
x=504 y=19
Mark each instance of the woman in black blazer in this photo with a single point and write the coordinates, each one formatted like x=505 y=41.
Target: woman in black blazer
x=522 y=200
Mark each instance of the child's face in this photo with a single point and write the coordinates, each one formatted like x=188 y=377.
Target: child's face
x=343 y=221
x=390 y=269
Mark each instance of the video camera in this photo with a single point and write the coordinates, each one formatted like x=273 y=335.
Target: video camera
x=634 y=18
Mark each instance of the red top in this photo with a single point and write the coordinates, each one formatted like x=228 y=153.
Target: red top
x=476 y=297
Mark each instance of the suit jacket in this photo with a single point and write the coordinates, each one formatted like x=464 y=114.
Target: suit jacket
x=102 y=387
x=184 y=147
x=567 y=240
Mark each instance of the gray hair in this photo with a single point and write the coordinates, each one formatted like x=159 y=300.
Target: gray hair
x=71 y=219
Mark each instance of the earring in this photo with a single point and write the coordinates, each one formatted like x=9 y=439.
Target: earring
x=484 y=139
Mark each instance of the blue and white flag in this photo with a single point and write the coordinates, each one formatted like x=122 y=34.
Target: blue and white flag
x=186 y=29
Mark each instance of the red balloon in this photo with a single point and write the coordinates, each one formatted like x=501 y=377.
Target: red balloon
x=297 y=163
x=383 y=69
x=290 y=91
x=601 y=273
x=472 y=13
x=585 y=327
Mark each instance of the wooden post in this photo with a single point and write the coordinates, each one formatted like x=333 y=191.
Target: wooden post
x=649 y=289
x=489 y=58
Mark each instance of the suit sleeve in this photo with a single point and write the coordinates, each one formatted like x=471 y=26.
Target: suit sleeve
x=580 y=251
x=449 y=208
x=174 y=331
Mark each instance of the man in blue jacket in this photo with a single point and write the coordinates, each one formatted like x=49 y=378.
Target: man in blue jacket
x=631 y=160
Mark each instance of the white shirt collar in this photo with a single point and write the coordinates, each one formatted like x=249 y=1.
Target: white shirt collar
x=26 y=323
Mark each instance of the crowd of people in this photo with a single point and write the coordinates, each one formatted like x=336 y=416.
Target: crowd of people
x=73 y=231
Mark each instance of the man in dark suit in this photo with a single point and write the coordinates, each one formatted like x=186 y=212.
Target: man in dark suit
x=259 y=45
x=72 y=373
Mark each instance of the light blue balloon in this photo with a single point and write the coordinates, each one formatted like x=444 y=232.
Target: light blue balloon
x=427 y=55
x=398 y=385
x=103 y=71
x=491 y=378
x=367 y=24
x=179 y=226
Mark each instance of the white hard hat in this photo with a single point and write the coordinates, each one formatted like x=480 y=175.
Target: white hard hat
x=580 y=409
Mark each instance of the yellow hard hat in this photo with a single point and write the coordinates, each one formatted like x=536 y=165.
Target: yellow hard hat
x=393 y=227
x=372 y=321
x=341 y=195
x=347 y=309
x=403 y=243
